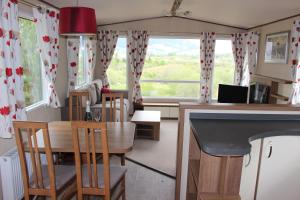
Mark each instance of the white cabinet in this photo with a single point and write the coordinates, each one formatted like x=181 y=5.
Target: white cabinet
x=249 y=171
x=279 y=173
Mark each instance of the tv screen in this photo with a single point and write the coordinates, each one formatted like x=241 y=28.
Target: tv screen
x=232 y=94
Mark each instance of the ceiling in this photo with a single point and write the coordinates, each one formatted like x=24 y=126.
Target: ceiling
x=240 y=13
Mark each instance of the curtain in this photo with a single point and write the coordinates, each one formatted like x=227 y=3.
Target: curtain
x=73 y=45
x=90 y=59
x=12 y=103
x=47 y=21
x=244 y=47
x=136 y=49
x=207 y=56
x=239 y=52
x=295 y=49
x=107 y=44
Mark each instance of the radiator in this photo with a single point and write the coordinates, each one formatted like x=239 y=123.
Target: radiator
x=11 y=175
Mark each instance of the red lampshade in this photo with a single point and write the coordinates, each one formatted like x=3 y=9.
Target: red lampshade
x=77 y=21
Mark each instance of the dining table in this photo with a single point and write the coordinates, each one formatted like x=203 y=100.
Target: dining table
x=120 y=137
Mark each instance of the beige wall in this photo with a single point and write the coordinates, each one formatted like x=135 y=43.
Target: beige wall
x=165 y=26
x=281 y=71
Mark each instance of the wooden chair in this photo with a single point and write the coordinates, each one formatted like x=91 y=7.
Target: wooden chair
x=113 y=97
x=79 y=95
x=47 y=180
x=92 y=178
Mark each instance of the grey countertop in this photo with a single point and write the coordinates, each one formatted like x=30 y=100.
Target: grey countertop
x=224 y=134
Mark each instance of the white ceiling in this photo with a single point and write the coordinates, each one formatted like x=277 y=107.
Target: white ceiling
x=240 y=13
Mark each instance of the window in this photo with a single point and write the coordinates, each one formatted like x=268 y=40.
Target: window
x=224 y=65
x=172 y=68
x=81 y=75
x=117 y=70
x=33 y=85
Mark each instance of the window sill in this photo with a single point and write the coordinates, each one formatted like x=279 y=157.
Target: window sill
x=168 y=99
x=35 y=106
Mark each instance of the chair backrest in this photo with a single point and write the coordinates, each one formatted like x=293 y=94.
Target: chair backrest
x=33 y=137
x=89 y=139
x=112 y=98
x=79 y=97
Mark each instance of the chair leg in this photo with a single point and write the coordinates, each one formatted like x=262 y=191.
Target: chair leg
x=123 y=159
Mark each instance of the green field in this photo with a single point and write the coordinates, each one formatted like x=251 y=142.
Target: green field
x=175 y=68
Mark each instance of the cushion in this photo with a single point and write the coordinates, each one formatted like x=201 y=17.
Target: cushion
x=98 y=92
x=116 y=173
x=63 y=174
x=93 y=94
x=98 y=82
x=105 y=90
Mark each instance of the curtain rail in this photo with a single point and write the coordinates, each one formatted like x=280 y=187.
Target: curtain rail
x=27 y=3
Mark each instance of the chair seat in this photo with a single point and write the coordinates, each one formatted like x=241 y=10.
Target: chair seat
x=63 y=175
x=116 y=173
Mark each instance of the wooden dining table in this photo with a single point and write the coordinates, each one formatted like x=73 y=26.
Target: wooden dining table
x=120 y=137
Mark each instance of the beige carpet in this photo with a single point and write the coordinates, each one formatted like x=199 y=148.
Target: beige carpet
x=159 y=155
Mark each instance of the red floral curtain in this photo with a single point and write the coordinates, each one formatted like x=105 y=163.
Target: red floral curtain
x=90 y=58
x=107 y=43
x=239 y=52
x=244 y=47
x=73 y=45
x=207 y=56
x=47 y=32
x=295 y=52
x=136 y=49
x=12 y=103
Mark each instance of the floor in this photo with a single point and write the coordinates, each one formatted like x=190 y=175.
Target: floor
x=145 y=184
x=159 y=155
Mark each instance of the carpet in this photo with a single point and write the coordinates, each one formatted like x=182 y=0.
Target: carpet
x=158 y=155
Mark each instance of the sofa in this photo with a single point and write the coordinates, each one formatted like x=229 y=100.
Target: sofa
x=95 y=97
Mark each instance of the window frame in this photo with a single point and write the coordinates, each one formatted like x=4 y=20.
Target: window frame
x=172 y=99
x=43 y=77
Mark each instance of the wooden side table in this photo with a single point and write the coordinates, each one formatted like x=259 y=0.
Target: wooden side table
x=147 y=121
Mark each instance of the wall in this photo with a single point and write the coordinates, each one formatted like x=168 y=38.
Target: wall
x=165 y=26
x=281 y=71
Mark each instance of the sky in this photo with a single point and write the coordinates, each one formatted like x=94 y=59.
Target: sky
x=165 y=46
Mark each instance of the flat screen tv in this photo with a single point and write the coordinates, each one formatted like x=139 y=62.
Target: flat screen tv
x=232 y=94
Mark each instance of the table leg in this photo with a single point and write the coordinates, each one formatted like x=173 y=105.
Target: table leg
x=156 y=131
x=122 y=159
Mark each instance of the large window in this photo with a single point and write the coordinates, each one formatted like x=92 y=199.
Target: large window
x=224 y=65
x=117 y=70
x=33 y=86
x=172 y=68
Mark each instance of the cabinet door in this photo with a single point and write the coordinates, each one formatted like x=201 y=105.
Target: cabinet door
x=279 y=175
x=249 y=171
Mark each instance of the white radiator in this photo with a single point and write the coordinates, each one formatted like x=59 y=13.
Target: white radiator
x=11 y=175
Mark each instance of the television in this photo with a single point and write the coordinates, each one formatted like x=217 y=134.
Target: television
x=232 y=94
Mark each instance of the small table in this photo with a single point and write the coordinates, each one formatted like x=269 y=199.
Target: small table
x=148 y=118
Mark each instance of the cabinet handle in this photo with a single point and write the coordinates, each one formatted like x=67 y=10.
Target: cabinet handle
x=270 y=151
x=248 y=163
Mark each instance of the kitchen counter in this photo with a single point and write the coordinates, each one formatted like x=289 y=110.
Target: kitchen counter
x=222 y=134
